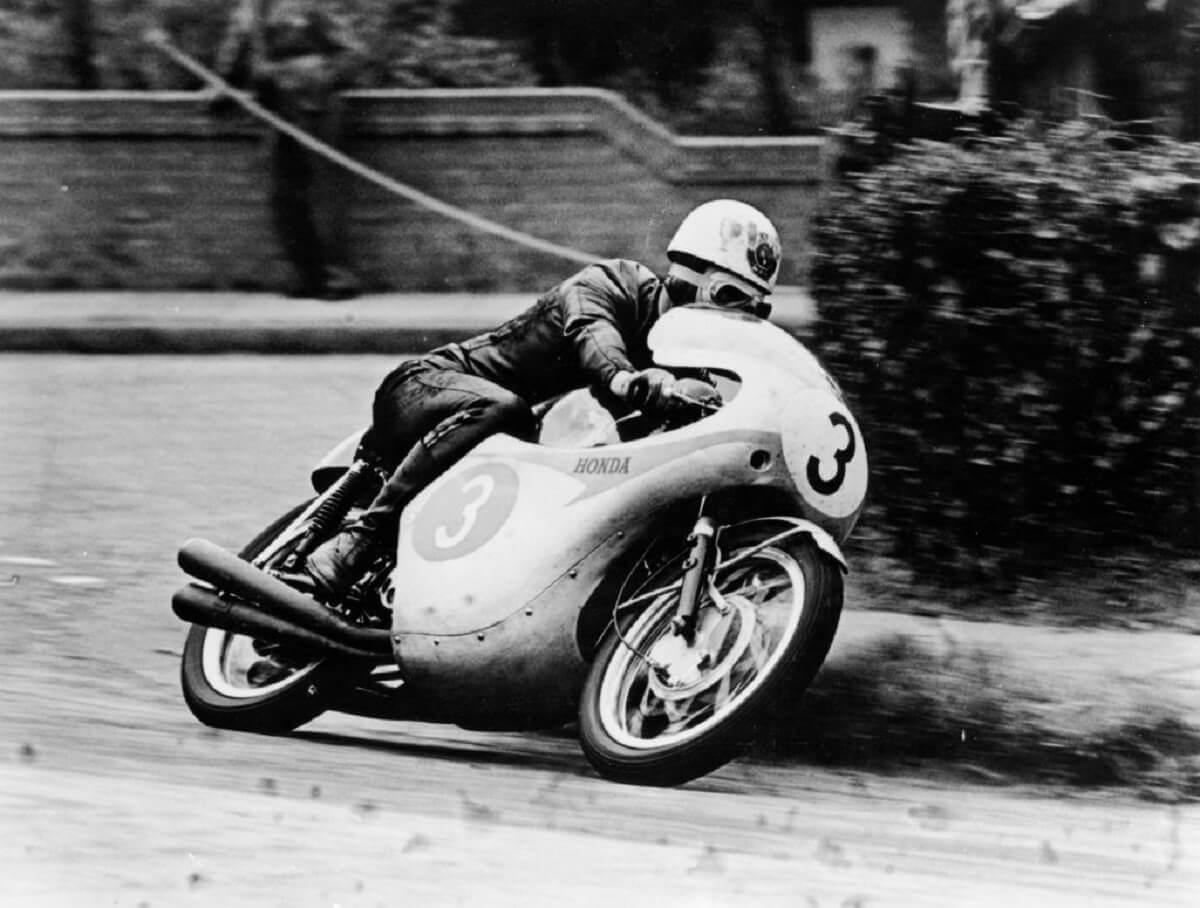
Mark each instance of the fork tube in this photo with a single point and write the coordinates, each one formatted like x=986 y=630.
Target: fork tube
x=696 y=568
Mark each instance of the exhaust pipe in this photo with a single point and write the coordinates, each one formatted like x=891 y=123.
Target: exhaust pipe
x=225 y=571
x=203 y=605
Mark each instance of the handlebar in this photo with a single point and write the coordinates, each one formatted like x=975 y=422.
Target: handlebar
x=706 y=406
x=702 y=406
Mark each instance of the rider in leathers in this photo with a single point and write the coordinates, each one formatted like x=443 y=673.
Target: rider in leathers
x=590 y=330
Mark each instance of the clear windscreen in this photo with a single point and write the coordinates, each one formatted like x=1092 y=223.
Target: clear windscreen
x=579 y=420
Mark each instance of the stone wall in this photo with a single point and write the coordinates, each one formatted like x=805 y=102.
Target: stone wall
x=148 y=190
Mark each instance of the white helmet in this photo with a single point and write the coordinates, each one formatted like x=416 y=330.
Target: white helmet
x=733 y=236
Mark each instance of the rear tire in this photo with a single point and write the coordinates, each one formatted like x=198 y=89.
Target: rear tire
x=213 y=672
x=664 y=727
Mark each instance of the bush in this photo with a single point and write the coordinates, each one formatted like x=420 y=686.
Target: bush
x=1018 y=320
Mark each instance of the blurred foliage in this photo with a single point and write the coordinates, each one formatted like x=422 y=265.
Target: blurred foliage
x=702 y=65
x=1129 y=59
x=39 y=50
x=420 y=44
x=412 y=43
x=1017 y=317
x=32 y=47
x=698 y=65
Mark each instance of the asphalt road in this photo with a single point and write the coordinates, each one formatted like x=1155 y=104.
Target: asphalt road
x=111 y=794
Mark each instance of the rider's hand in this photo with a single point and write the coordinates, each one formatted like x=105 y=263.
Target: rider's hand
x=703 y=394
x=653 y=391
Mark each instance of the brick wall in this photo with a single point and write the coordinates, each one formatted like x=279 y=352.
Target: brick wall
x=146 y=190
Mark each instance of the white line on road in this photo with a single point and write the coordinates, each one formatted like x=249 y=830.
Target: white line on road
x=78 y=580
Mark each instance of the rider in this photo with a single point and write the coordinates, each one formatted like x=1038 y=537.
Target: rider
x=590 y=330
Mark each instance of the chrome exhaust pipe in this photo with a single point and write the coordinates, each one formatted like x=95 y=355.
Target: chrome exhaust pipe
x=203 y=605
x=225 y=571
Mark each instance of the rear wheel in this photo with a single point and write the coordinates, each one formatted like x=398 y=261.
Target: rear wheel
x=657 y=710
x=228 y=680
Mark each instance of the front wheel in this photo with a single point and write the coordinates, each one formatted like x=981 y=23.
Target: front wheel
x=222 y=673
x=657 y=710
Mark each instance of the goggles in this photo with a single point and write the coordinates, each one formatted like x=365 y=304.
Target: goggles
x=724 y=290
x=730 y=292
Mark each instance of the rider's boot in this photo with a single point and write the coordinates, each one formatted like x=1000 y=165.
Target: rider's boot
x=340 y=562
x=337 y=564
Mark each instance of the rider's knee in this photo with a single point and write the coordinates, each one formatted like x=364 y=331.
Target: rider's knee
x=510 y=414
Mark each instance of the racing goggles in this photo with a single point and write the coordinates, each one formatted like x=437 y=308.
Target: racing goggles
x=728 y=291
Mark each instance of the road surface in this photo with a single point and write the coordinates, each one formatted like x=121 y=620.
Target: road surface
x=111 y=794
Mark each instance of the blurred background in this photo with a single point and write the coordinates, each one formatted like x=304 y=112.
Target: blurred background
x=994 y=205
x=704 y=67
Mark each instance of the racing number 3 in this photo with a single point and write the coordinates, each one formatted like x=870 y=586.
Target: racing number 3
x=464 y=512
x=476 y=492
x=841 y=457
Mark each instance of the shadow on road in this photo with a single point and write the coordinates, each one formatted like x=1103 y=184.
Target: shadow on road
x=549 y=751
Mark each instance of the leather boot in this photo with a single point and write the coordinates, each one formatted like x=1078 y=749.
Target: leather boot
x=339 y=562
x=336 y=565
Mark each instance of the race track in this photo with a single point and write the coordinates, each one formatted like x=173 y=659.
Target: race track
x=112 y=794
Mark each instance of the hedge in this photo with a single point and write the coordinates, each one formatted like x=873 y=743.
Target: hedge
x=1017 y=320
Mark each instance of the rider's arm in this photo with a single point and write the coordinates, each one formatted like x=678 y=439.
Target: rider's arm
x=608 y=310
x=598 y=307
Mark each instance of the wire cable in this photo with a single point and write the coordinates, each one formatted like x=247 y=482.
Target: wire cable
x=159 y=40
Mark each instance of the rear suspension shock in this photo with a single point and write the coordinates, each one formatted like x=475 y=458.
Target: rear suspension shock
x=335 y=504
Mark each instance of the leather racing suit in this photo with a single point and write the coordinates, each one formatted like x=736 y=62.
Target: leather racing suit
x=432 y=410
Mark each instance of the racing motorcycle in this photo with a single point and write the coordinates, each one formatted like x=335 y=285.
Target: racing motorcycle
x=659 y=585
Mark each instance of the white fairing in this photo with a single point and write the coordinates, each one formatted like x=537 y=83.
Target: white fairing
x=497 y=556
x=784 y=389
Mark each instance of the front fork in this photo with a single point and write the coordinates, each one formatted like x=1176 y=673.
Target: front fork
x=696 y=570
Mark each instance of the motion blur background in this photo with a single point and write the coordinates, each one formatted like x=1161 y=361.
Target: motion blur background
x=598 y=123
x=995 y=206
x=705 y=67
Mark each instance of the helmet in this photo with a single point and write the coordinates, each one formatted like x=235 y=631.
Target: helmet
x=734 y=237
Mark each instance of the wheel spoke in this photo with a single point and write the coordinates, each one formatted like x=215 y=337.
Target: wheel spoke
x=682 y=716
x=722 y=691
x=661 y=694
x=759 y=650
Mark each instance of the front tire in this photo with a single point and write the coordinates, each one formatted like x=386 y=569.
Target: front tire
x=766 y=634
x=218 y=681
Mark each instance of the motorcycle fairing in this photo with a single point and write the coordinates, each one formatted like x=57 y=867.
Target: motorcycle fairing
x=492 y=533
x=475 y=634
x=498 y=556
x=523 y=671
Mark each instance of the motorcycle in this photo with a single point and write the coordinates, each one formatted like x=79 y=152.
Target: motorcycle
x=661 y=585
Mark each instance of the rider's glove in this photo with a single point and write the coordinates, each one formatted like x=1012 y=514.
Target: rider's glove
x=701 y=393
x=652 y=391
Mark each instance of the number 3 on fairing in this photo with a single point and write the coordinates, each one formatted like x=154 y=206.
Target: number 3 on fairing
x=477 y=491
x=841 y=458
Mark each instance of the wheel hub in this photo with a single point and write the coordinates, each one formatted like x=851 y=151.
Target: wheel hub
x=681 y=671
